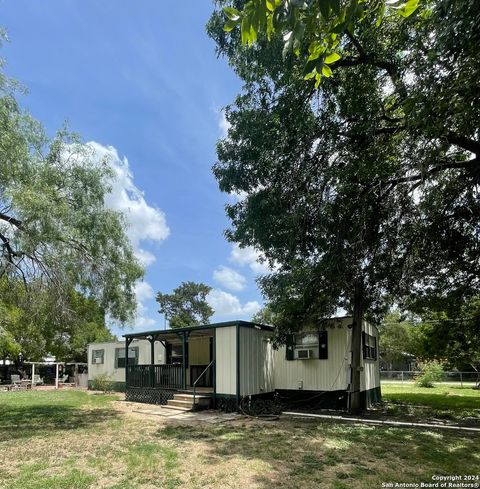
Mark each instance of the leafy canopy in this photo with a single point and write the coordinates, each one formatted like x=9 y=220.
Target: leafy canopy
x=313 y=30
x=31 y=330
x=55 y=230
x=364 y=191
x=187 y=305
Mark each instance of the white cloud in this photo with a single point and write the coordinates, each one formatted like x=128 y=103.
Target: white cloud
x=145 y=257
x=229 y=278
x=144 y=222
x=223 y=124
x=143 y=293
x=226 y=304
x=250 y=257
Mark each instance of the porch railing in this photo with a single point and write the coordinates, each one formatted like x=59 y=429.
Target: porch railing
x=166 y=376
x=199 y=377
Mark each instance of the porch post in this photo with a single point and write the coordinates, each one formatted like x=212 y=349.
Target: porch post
x=184 y=363
x=152 y=361
x=214 y=367
x=127 y=344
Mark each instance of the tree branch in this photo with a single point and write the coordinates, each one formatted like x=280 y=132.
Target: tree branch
x=464 y=142
x=457 y=165
x=11 y=220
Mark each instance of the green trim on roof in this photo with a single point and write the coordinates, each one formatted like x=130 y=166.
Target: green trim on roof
x=160 y=332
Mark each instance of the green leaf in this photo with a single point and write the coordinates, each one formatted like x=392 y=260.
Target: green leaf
x=270 y=5
x=245 y=30
x=381 y=14
x=326 y=71
x=409 y=8
x=232 y=13
x=318 y=79
x=229 y=25
x=253 y=34
x=331 y=58
x=270 y=28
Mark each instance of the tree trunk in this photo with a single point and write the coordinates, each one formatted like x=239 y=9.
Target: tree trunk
x=356 y=404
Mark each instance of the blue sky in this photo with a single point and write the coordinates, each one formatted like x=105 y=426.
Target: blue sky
x=141 y=80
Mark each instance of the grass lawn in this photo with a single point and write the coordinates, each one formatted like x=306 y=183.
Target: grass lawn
x=441 y=402
x=73 y=440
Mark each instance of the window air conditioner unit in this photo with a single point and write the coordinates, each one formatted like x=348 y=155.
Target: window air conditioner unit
x=304 y=354
x=98 y=360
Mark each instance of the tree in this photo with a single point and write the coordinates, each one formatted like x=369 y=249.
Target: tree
x=55 y=230
x=453 y=335
x=264 y=316
x=31 y=330
x=397 y=338
x=364 y=190
x=186 y=305
x=316 y=28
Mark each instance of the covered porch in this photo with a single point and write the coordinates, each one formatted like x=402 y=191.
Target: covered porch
x=186 y=365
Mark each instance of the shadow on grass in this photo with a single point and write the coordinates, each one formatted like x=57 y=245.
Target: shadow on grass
x=310 y=453
x=31 y=420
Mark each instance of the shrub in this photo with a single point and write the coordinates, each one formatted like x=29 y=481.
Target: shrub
x=102 y=382
x=430 y=372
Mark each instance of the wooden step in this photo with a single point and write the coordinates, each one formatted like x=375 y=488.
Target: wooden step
x=180 y=403
x=189 y=397
x=176 y=408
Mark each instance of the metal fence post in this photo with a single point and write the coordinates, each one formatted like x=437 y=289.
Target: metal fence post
x=402 y=377
x=461 y=380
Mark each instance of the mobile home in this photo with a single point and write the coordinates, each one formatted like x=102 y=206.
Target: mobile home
x=228 y=362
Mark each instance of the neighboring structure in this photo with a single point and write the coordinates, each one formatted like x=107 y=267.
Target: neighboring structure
x=234 y=360
x=407 y=363
x=109 y=358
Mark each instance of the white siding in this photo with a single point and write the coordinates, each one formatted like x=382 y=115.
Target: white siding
x=256 y=362
x=108 y=365
x=370 y=376
x=226 y=360
x=325 y=375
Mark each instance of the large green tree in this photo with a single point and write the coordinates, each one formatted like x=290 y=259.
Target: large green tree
x=55 y=230
x=33 y=329
x=186 y=306
x=365 y=189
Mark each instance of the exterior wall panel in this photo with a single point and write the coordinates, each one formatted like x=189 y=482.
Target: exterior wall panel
x=226 y=360
x=256 y=362
x=314 y=374
x=108 y=365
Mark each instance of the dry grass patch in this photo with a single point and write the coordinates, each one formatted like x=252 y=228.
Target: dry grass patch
x=91 y=442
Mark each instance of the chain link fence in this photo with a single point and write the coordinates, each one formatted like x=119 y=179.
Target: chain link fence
x=463 y=379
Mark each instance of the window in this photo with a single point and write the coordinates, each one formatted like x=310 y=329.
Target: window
x=304 y=346
x=97 y=356
x=120 y=357
x=177 y=353
x=369 y=346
